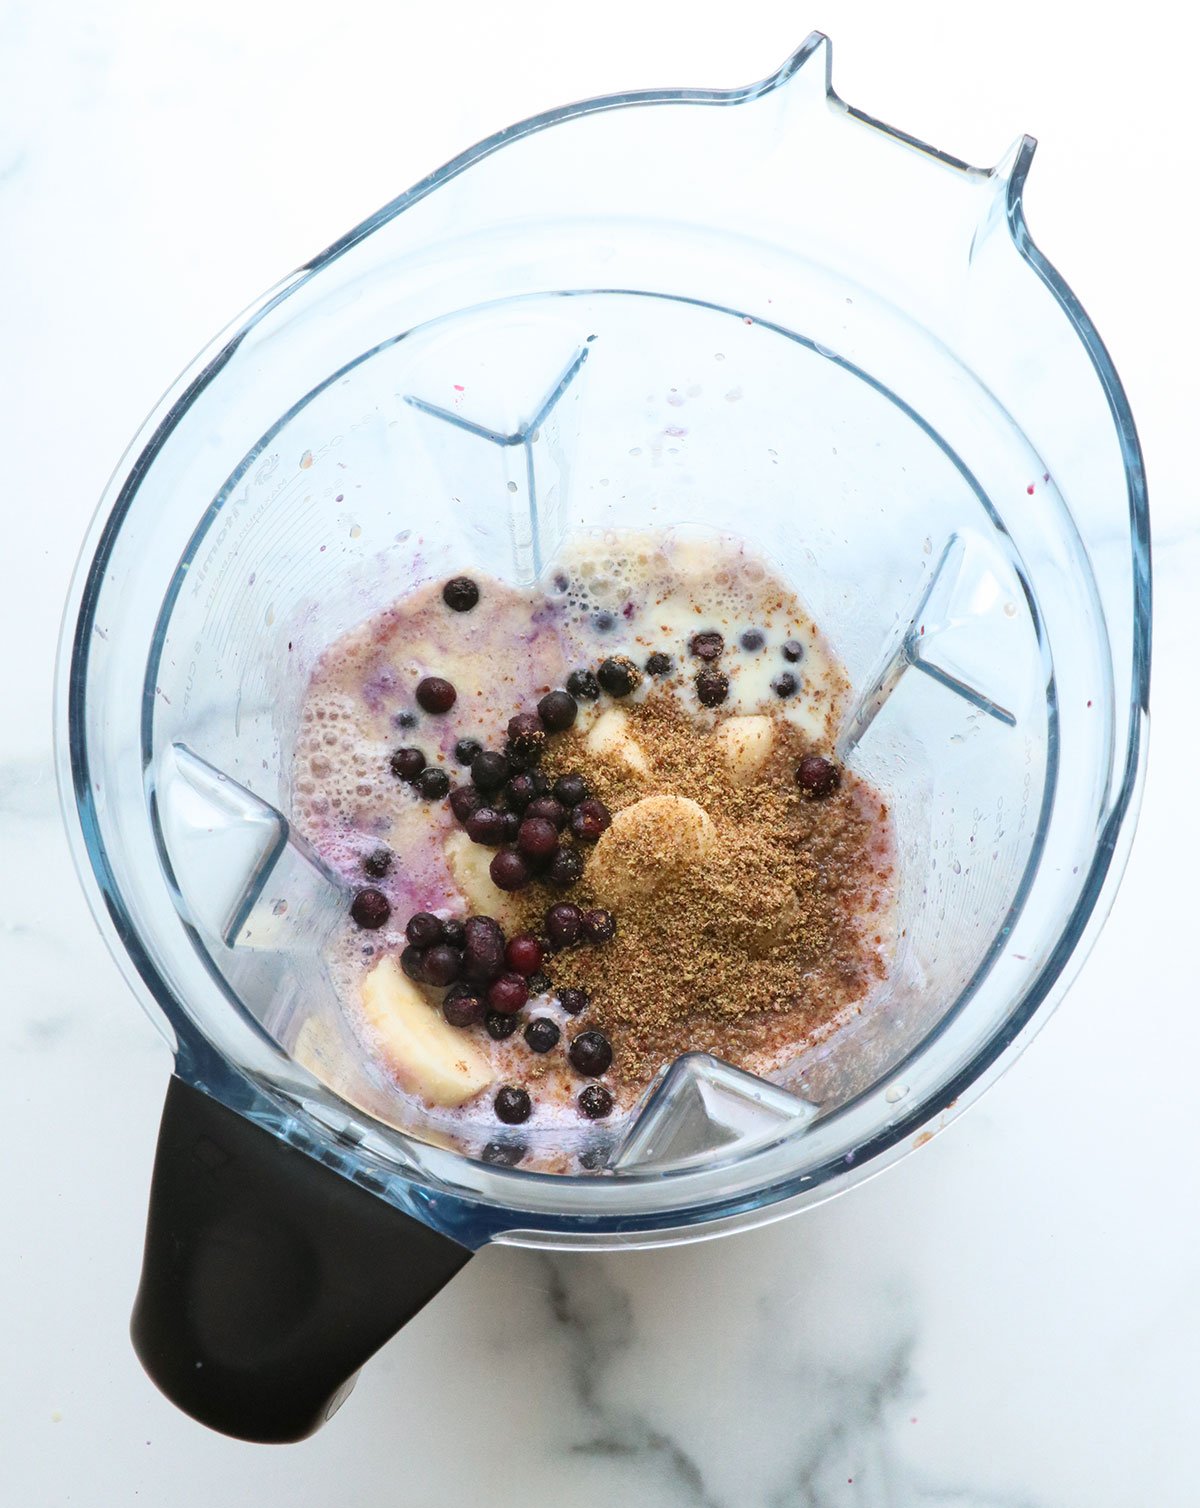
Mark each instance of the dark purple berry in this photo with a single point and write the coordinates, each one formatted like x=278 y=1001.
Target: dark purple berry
x=537 y=838
x=483 y=952
x=599 y=926
x=753 y=639
x=486 y=825
x=542 y=1034
x=443 y=965
x=522 y=789
x=465 y=799
x=498 y=1025
x=573 y=1001
x=712 y=687
x=565 y=868
x=818 y=776
x=405 y=719
x=507 y=994
x=512 y=826
x=583 y=686
x=460 y=594
x=659 y=664
x=539 y=983
x=454 y=933
x=589 y=819
x=595 y=1102
x=425 y=930
x=433 y=784
x=562 y=925
x=591 y=1054
x=407 y=764
x=489 y=770
x=558 y=711
x=435 y=695
x=412 y=961
x=461 y=1006
x=526 y=736
x=549 y=810
x=792 y=650
x=512 y=1105
x=370 y=908
x=523 y=954
x=510 y=870
x=785 y=684
x=592 y=1158
x=570 y=790
x=503 y=1154
x=466 y=749
x=618 y=675
x=707 y=646
x=377 y=863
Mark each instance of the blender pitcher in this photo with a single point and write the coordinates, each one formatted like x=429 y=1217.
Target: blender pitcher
x=891 y=394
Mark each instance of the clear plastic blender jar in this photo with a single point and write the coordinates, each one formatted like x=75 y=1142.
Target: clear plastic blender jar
x=897 y=399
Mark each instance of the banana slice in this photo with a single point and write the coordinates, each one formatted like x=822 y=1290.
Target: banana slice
x=651 y=844
x=745 y=742
x=469 y=864
x=426 y=1055
x=609 y=738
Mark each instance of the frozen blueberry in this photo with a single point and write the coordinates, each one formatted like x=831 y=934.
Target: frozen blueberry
x=435 y=695
x=563 y=923
x=595 y=1102
x=483 y=949
x=524 y=954
x=583 y=686
x=512 y=826
x=498 y=1025
x=712 y=687
x=792 y=650
x=573 y=1001
x=523 y=788
x=536 y=838
x=599 y=926
x=602 y=621
x=526 y=735
x=752 y=639
x=460 y=594
x=591 y=1054
x=512 y=1105
x=659 y=664
x=589 y=819
x=489 y=770
x=548 y=810
x=425 y=930
x=507 y=994
x=570 y=790
x=466 y=749
x=486 y=825
x=539 y=983
x=592 y=1158
x=462 y=1008
x=377 y=863
x=503 y=1154
x=565 y=868
x=443 y=964
x=541 y=1034
x=454 y=933
x=433 y=783
x=618 y=675
x=465 y=799
x=558 y=711
x=405 y=719
x=407 y=764
x=412 y=961
x=785 y=685
x=707 y=646
x=510 y=870
x=370 y=908
x=818 y=776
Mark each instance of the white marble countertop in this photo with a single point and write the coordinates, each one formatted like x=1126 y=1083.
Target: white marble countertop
x=1008 y=1319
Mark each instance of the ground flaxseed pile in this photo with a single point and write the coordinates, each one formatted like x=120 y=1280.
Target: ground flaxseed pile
x=753 y=949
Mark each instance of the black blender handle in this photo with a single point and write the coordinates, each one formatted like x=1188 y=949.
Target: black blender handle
x=268 y=1280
